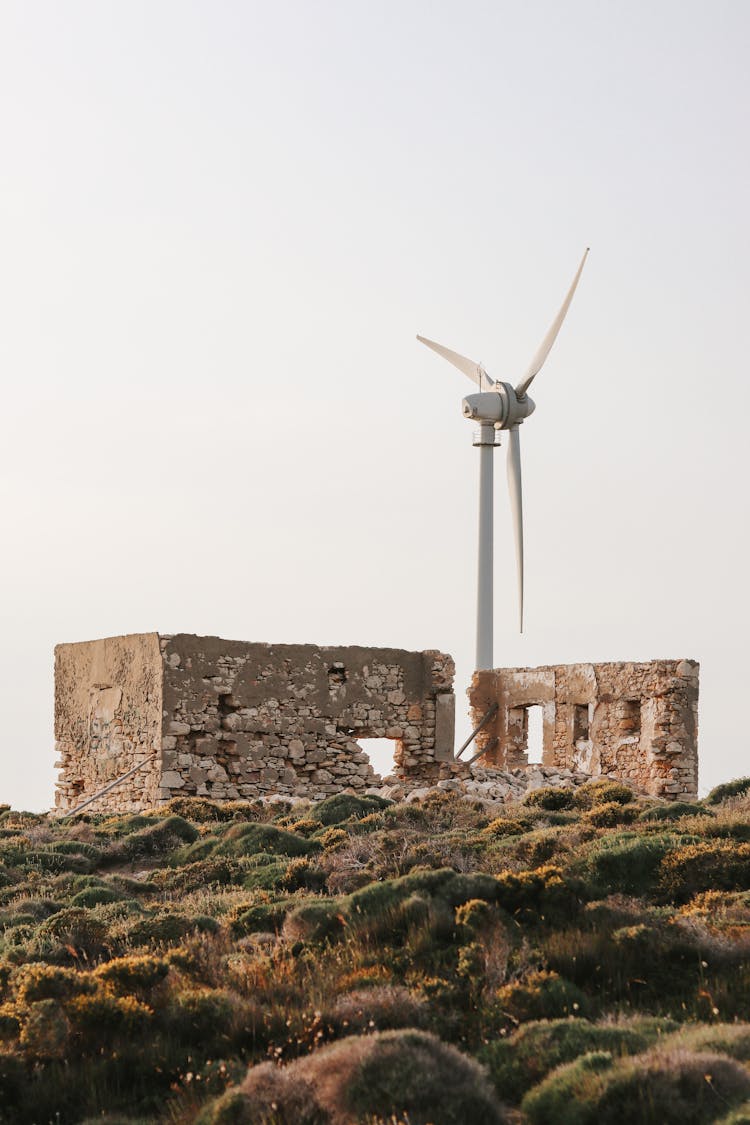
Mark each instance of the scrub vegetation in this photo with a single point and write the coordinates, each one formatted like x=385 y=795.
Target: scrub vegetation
x=581 y=957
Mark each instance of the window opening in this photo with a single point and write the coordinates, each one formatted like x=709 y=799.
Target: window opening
x=581 y=722
x=535 y=735
x=630 y=718
x=381 y=752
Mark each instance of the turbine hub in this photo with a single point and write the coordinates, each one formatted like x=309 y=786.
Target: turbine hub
x=501 y=406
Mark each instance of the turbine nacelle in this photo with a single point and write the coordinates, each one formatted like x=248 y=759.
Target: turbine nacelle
x=500 y=406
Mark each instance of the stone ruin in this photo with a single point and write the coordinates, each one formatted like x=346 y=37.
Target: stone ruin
x=638 y=722
x=141 y=719
x=201 y=716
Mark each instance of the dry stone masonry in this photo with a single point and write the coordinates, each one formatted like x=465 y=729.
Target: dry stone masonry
x=200 y=716
x=638 y=722
x=231 y=720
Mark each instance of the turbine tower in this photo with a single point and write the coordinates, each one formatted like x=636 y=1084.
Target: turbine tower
x=500 y=406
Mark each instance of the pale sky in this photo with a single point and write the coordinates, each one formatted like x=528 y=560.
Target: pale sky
x=222 y=225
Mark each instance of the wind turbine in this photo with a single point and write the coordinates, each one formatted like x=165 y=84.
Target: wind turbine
x=500 y=407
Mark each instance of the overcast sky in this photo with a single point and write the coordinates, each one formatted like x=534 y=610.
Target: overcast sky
x=222 y=225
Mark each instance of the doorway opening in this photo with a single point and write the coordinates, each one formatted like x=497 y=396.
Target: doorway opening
x=535 y=735
x=381 y=753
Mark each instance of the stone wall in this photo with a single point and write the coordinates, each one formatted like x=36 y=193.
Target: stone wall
x=108 y=718
x=637 y=721
x=232 y=720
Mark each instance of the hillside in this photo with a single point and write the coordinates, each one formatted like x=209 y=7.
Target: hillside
x=578 y=957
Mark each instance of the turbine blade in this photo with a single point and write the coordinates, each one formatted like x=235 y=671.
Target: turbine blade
x=475 y=371
x=513 y=464
x=544 y=348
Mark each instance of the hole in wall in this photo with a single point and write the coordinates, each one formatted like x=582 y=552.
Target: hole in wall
x=380 y=751
x=535 y=735
x=581 y=721
x=630 y=717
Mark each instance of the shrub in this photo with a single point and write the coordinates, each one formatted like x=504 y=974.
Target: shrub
x=675 y=810
x=474 y=916
x=731 y=1039
x=625 y=862
x=717 y=865
x=659 y=1088
x=317 y=921
x=46 y=1030
x=71 y=934
x=249 y=839
x=542 y=892
x=270 y=1095
x=50 y=982
x=346 y=806
x=404 y=1075
x=550 y=798
x=95 y=896
x=602 y=792
x=168 y=927
x=103 y=1014
x=504 y=826
x=523 y=1059
x=158 y=839
x=300 y=874
x=377 y=1008
x=740 y=787
x=137 y=974
x=210 y=1018
x=610 y=814
x=541 y=995
x=199 y=810
x=264 y=918
x=333 y=838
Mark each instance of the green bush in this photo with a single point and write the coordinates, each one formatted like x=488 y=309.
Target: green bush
x=50 y=982
x=46 y=1030
x=602 y=792
x=317 y=921
x=71 y=934
x=675 y=810
x=610 y=814
x=716 y=865
x=95 y=896
x=523 y=1059
x=249 y=839
x=549 y=798
x=301 y=874
x=167 y=927
x=133 y=974
x=404 y=1075
x=659 y=1088
x=264 y=918
x=379 y=1008
x=731 y=1039
x=346 y=806
x=212 y=1019
x=97 y=1017
x=625 y=862
x=542 y=893
x=740 y=787
x=542 y=995
x=156 y=840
